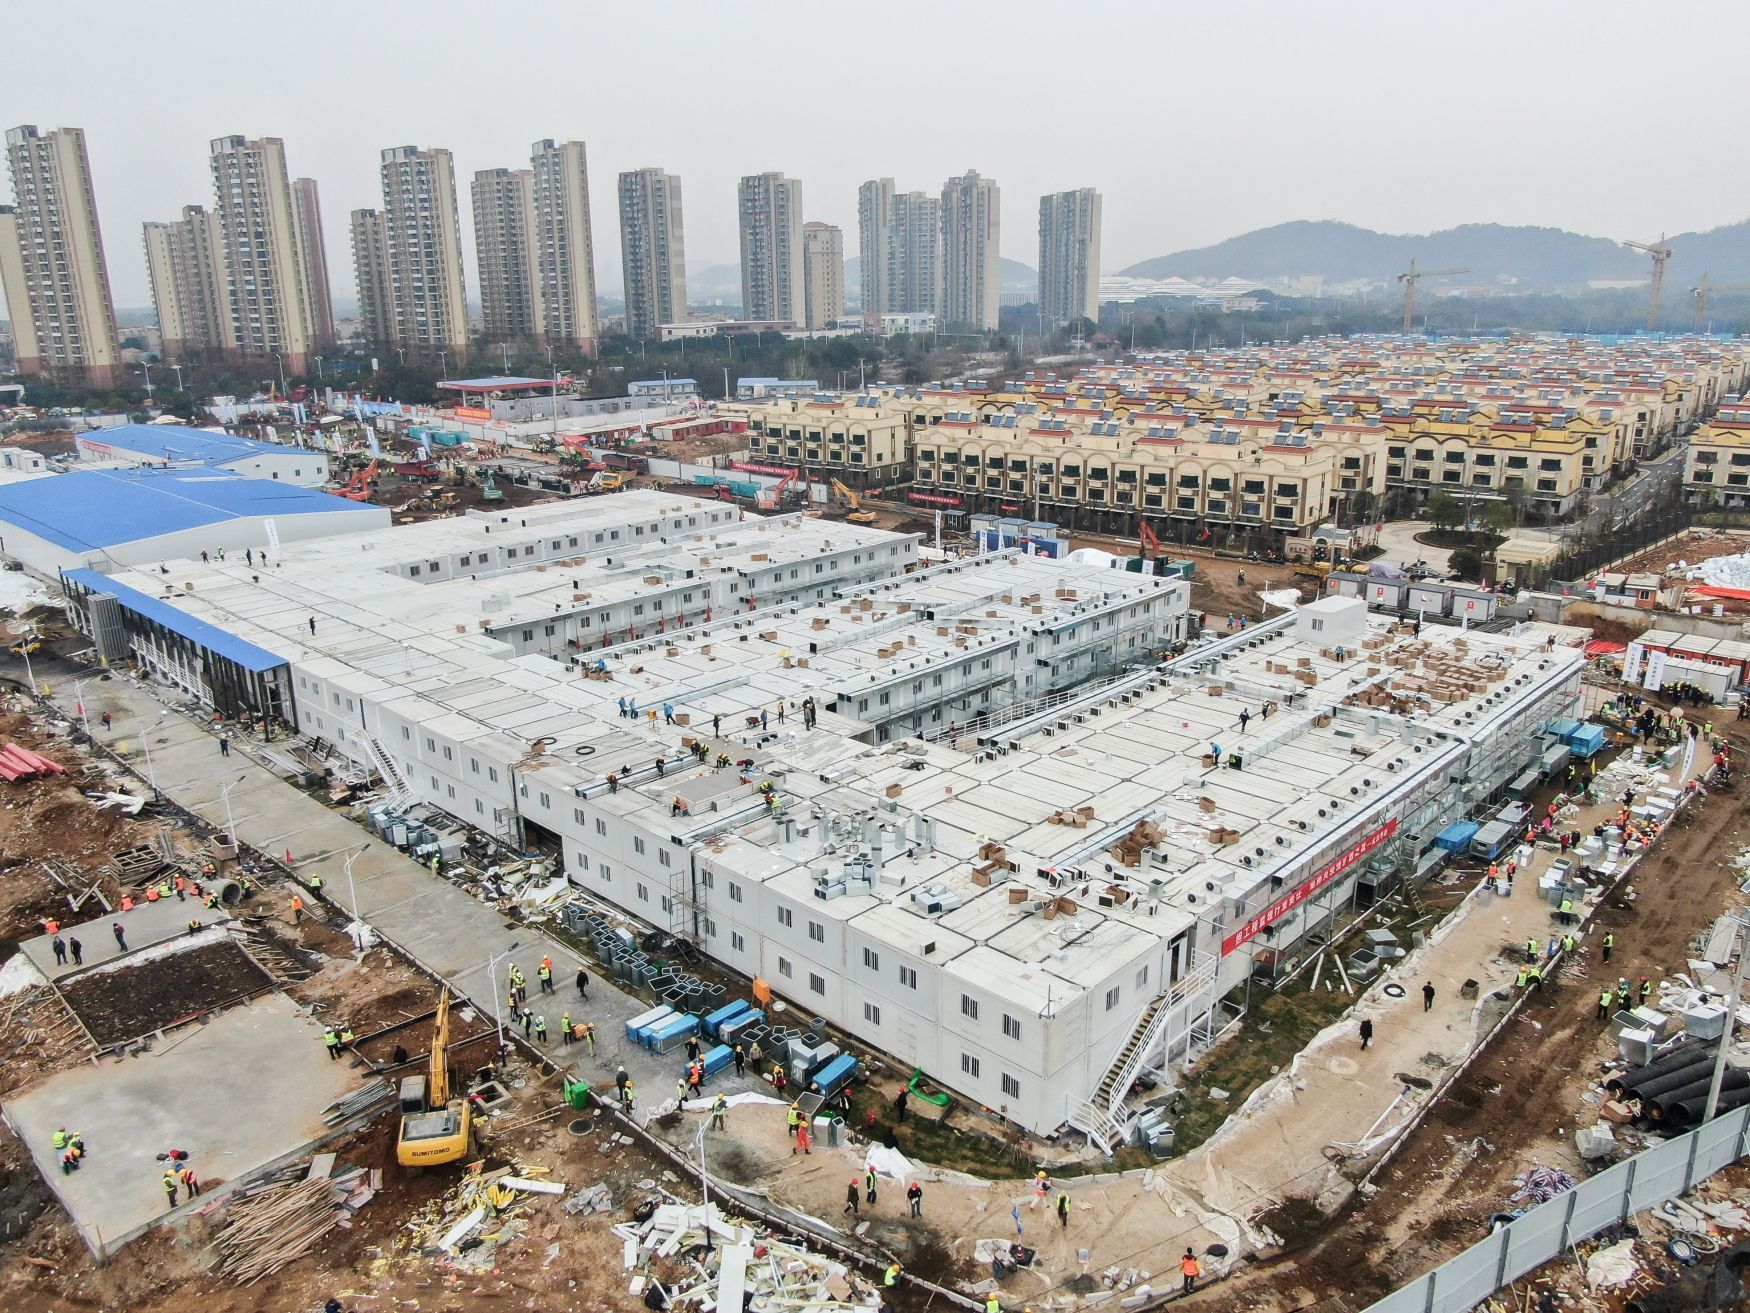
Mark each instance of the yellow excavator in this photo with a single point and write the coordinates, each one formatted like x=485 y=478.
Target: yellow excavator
x=435 y=1129
x=857 y=514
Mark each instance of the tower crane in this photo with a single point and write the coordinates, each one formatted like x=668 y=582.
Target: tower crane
x=1410 y=279
x=1704 y=289
x=1661 y=253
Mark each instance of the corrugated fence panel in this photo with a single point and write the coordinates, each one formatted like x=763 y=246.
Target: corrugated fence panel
x=1644 y=1181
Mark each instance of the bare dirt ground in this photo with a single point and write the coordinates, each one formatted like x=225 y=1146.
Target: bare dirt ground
x=1520 y=1103
x=116 y=1006
x=1694 y=548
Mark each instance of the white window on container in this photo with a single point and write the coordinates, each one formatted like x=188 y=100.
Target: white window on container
x=1112 y=998
x=784 y=968
x=1011 y=1027
x=786 y=917
x=734 y=892
x=737 y=942
x=817 y=932
x=969 y=1007
x=1011 y=1086
x=908 y=976
x=871 y=1014
x=643 y=894
x=871 y=959
x=969 y=1064
x=817 y=983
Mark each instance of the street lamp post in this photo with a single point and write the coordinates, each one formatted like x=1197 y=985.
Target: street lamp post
x=146 y=743
x=146 y=369
x=178 y=369
x=352 y=895
x=492 y=975
x=281 y=362
x=505 y=348
x=79 y=701
x=230 y=821
x=24 y=647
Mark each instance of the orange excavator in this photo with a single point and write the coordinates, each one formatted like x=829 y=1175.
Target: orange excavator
x=358 y=488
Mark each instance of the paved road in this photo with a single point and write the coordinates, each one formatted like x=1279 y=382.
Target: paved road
x=1398 y=538
x=445 y=930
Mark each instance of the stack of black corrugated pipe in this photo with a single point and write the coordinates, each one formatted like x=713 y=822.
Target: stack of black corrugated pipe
x=1673 y=1091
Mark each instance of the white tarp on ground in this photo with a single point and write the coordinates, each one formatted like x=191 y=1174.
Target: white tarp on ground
x=19 y=592
x=889 y=1162
x=1725 y=571
x=19 y=975
x=1094 y=556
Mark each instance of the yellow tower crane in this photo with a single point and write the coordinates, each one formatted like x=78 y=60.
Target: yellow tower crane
x=1661 y=254
x=1409 y=279
x=1704 y=289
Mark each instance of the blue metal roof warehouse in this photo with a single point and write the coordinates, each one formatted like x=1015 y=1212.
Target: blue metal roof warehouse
x=143 y=514
x=176 y=442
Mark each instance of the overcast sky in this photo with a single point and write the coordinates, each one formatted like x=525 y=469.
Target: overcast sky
x=1195 y=122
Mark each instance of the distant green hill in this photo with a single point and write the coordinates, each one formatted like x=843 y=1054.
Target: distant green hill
x=1540 y=258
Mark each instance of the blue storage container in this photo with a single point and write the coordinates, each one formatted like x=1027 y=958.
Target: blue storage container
x=1562 y=729
x=643 y=1019
x=674 y=1032
x=718 y=1058
x=1586 y=741
x=1455 y=838
x=722 y=1014
x=837 y=1074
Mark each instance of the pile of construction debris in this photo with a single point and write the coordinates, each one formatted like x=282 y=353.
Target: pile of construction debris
x=282 y=1219
x=713 y=1261
x=487 y=1210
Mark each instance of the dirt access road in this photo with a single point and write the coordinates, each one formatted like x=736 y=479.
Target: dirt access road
x=1520 y=1103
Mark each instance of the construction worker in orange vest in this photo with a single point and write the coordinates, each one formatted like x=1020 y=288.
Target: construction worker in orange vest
x=1189 y=1269
x=297 y=909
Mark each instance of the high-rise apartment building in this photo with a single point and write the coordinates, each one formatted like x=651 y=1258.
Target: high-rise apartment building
x=504 y=233
x=429 y=307
x=874 y=215
x=971 y=265
x=771 y=248
x=652 y=250
x=51 y=261
x=823 y=275
x=313 y=254
x=564 y=246
x=267 y=292
x=1069 y=255
x=185 y=260
x=370 y=262
x=913 y=255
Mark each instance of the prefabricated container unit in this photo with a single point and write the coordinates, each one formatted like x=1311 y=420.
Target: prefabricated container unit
x=1386 y=594
x=635 y=1026
x=674 y=1032
x=733 y=1031
x=1514 y=814
x=1554 y=759
x=1523 y=783
x=1473 y=604
x=714 y=1021
x=1427 y=600
x=716 y=1059
x=837 y=1074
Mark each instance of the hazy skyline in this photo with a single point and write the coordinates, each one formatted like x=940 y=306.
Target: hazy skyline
x=1195 y=125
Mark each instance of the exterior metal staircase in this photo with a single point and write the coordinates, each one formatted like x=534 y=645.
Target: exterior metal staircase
x=400 y=792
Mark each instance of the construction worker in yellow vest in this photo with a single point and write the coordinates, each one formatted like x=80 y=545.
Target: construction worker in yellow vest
x=793 y=1118
x=891 y=1276
x=170 y=1185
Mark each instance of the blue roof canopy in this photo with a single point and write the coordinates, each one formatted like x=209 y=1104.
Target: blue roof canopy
x=89 y=510
x=177 y=442
x=199 y=632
